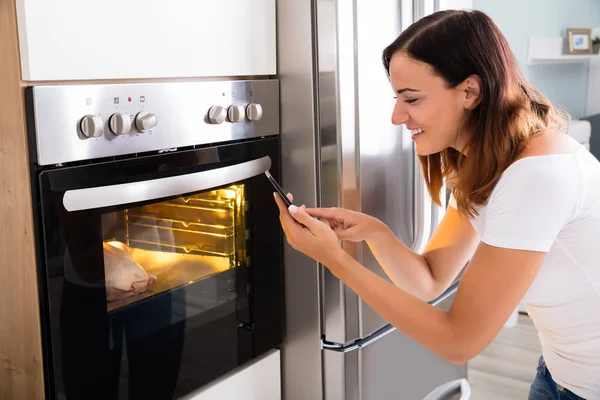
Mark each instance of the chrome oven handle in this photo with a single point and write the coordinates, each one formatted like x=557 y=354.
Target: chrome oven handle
x=126 y=193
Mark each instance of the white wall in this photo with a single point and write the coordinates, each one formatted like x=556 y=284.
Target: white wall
x=564 y=84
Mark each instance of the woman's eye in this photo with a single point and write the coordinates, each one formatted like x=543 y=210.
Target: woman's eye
x=410 y=101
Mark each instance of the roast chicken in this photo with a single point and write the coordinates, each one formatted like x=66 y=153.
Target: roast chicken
x=124 y=276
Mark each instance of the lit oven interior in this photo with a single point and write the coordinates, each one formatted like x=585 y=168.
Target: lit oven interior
x=162 y=246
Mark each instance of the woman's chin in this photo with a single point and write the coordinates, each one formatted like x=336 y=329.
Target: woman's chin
x=424 y=151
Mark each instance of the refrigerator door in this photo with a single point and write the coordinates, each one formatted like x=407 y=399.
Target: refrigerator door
x=302 y=375
x=368 y=164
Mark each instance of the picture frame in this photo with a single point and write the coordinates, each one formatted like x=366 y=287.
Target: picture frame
x=580 y=41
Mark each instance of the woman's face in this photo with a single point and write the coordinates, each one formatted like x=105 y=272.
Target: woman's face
x=427 y=106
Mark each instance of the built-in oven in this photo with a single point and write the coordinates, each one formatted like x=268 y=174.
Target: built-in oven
x=159 y=244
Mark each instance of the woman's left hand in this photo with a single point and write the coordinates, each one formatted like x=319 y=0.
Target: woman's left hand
x=315 y=239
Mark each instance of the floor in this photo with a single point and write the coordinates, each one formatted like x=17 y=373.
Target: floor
x=506 y=368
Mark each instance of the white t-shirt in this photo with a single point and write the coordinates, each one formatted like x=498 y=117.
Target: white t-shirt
x=551 y=203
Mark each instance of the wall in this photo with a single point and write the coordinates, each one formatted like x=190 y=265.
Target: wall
x=564 y=84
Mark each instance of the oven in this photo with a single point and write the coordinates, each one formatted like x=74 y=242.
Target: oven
x=158 y=239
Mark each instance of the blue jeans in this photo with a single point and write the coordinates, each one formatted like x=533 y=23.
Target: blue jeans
x=544 y=388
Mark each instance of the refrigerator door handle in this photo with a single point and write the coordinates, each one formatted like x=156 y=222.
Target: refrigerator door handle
x=379 y=333
x=423 y=209
x=438 y=212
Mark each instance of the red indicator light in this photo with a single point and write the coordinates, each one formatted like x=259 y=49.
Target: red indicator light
x=129 y=99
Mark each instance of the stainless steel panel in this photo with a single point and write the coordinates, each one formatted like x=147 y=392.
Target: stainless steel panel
x=386 y=151
x=390 y=175
x=379 y=175
x=334 y=96
x=301 y=353
x=126 y=193
x=180 y=107
x=339 y=179
x=397 y=368
x=374 y=170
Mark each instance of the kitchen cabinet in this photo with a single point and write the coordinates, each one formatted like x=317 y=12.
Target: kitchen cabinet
x=259 y=380
x=21 y=374
x=112 y=39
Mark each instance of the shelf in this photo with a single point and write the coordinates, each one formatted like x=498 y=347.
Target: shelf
x=565 y=59
x=553 y=50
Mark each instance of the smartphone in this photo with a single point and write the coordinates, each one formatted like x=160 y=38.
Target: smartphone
x=278 y=188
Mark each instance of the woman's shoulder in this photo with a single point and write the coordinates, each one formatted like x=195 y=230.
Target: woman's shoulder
x=548 y=171
x=547 y=156
x=551 y=142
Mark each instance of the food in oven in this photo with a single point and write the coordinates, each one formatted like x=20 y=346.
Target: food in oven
x=179 y=241
x=124 y=276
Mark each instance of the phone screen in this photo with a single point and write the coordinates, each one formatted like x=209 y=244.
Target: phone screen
x=278 y=188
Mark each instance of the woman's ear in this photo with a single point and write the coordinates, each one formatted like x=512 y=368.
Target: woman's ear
x=472 y=89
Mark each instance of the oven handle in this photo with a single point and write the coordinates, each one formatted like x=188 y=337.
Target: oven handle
x=126 y=193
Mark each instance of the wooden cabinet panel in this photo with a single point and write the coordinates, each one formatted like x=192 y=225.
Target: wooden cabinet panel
x=20 y=347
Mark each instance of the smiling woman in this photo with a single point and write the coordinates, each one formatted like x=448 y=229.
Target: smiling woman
x=524 y=214
x=460 y=93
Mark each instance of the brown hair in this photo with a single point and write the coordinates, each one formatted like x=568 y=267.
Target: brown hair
x=457 y=44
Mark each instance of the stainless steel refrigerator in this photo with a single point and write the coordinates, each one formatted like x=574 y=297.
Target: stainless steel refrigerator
x=339 y=148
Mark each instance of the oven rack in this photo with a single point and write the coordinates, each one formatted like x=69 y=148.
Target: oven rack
x=184 y=226
x=199 y=208
x=193 y=250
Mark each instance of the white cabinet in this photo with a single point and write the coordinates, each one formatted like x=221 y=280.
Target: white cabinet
x=260 y=380
x=113 y=39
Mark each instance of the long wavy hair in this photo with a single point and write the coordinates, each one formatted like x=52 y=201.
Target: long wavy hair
x=457 y=44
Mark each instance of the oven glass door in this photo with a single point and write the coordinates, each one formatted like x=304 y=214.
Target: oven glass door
x=161 y=273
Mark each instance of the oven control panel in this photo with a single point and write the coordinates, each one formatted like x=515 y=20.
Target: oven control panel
x=86 y=122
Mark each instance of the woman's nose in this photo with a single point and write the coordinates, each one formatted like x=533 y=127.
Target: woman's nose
x=399 y=117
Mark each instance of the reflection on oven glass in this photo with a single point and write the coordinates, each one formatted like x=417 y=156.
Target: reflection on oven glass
x=161 y=246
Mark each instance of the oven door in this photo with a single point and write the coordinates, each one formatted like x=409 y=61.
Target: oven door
x=159 y=273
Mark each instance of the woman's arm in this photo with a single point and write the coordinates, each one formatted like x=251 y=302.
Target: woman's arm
x=490 y=290
x=493 y=284
x=426 y=276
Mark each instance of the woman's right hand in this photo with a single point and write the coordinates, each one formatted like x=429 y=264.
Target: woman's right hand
x=348 y=225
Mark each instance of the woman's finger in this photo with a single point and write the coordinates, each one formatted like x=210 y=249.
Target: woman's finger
x=303 y=218
x=346 y=234
x=284 y=214
x=329 y=213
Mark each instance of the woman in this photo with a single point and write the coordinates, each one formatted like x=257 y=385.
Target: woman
x=525 y=210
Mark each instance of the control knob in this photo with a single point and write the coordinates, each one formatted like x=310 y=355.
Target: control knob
x=144 y=121
x=216 y=115
x=254 y=111
x=119 y=123
x=91 y=126
x=236 y=113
